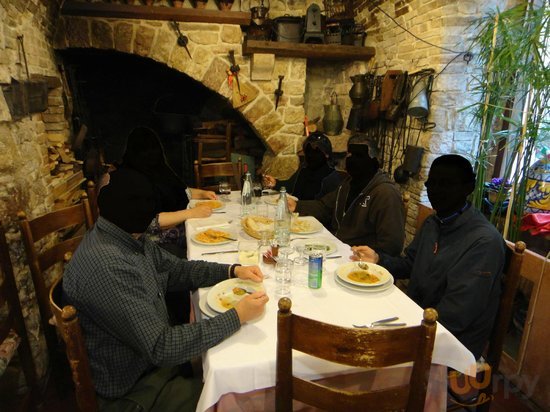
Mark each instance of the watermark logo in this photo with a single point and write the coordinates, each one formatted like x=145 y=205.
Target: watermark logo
x=463 y=384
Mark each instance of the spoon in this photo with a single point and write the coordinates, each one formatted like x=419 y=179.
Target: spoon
x=363 y=265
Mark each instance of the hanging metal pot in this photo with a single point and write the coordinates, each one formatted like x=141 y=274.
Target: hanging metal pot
x=333 y=122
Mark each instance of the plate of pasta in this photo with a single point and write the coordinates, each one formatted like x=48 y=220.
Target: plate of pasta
x=366 y=276
x=305 y=225
x=226 y=294
x=212 y=204
x=213 y=237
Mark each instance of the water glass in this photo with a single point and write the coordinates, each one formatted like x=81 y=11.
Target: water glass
x=225 y=190
x=283 y=277
x=257 y=190
x=301 y=259
x=249 y=252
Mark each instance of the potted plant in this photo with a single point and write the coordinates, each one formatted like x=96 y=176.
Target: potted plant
x=513 y=88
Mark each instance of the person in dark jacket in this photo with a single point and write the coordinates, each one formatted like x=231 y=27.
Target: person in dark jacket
x=456 y=259
x=366 y=208
x=316 y=177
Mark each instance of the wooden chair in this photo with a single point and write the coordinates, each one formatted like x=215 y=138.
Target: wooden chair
x=229 y=170
x=356 y=347
x=91 y=191
x=70 y=331
x=13 y=333
x=213 y=141
x=485 y=370
x=41 y=259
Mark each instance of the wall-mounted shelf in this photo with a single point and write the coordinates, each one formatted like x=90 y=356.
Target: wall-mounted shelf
x=309 y=51
x=130 y=11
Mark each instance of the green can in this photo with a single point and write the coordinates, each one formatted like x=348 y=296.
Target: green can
x=315 y=271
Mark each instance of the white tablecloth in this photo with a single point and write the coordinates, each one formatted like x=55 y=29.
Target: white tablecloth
x=246 y=361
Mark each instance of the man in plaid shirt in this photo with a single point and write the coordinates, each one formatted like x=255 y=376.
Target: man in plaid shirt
x=117 y=280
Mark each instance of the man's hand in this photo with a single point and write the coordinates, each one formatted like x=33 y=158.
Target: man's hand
x=269 y=181
x=200 y=211
x=203 y=194
x=364 y=253
x=251 y=306
x=253 y=273
x=291 y=204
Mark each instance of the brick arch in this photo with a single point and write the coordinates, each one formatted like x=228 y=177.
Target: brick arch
x=209 y=44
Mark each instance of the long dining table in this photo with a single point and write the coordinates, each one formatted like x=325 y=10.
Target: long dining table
x=244 y=363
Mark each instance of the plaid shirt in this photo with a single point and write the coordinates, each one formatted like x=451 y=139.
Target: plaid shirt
x=118 y=284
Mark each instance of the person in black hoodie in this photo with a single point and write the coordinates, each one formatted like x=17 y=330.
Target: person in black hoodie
x=366 y=208
x=316 y=177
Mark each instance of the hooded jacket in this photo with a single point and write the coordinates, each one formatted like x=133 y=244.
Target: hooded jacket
x=374 y=218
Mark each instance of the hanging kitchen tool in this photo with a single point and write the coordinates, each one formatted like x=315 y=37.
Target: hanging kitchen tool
x=245 y=95
x=388 y=84
x=234 y=68
x=279 y=91
x=395 y=109
x=357 y=95
x=182 y=40
x=333 y=121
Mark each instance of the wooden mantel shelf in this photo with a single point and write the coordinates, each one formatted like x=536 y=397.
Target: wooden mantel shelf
x=310 y=51
x=130 y=11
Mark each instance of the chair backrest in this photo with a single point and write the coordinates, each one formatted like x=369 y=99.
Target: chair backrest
x=14 y=321
x=229 y=170
x=73 y=219
x=91 y=191
x=510 y=281
x=350 y=347
x=213 y=142
x=70 y=331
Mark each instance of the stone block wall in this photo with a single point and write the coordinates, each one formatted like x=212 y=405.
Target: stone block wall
x=25 y=180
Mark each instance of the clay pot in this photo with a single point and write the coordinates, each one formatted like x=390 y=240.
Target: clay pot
x=200 y=4
x=225 y=5
x=178 y=3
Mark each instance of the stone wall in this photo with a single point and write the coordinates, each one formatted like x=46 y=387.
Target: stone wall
x=25 y=180
x=443 y=24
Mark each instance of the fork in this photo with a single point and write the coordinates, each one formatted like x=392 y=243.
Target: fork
x=382 y=323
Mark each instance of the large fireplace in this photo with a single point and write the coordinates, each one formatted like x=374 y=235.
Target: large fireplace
x=114 y=92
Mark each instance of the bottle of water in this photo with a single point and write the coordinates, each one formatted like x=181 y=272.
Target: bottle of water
x=282 y=220
x=246 y=195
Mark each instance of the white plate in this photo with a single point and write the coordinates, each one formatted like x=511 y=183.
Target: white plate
x=323 y=245
x=196 y=202
x=221 y=297
x=381 y=272
x=313 y=225
x=205 y=309
x=230 y=234
x=376 y=289
x=274 y=198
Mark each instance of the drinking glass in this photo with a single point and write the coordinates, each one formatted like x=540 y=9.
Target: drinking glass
x=257 y=190
x=248 y=252
x=283 y=276
x=225 y=190
x=301 y=259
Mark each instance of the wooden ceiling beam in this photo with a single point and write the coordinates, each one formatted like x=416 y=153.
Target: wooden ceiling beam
x=128 y=11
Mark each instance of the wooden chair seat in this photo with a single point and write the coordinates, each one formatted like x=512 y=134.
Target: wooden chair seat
x=223 y=170
x=355 y=347
x=75 y=348
x=481 y=400
x=13 y=333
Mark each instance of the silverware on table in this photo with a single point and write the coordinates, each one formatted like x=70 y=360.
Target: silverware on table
x=384 y=323
x=334 y=257
x=220 y=252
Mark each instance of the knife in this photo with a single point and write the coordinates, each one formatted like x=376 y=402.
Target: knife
x=215 y=253
x=333 y=257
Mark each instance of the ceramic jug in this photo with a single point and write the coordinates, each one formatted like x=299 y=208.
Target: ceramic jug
x=357 y=91
x=333 y=121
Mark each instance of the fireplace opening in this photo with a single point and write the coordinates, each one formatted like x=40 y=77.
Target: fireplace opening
x=114 y=92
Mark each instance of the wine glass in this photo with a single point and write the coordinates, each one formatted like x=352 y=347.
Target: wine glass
x=225 y=190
